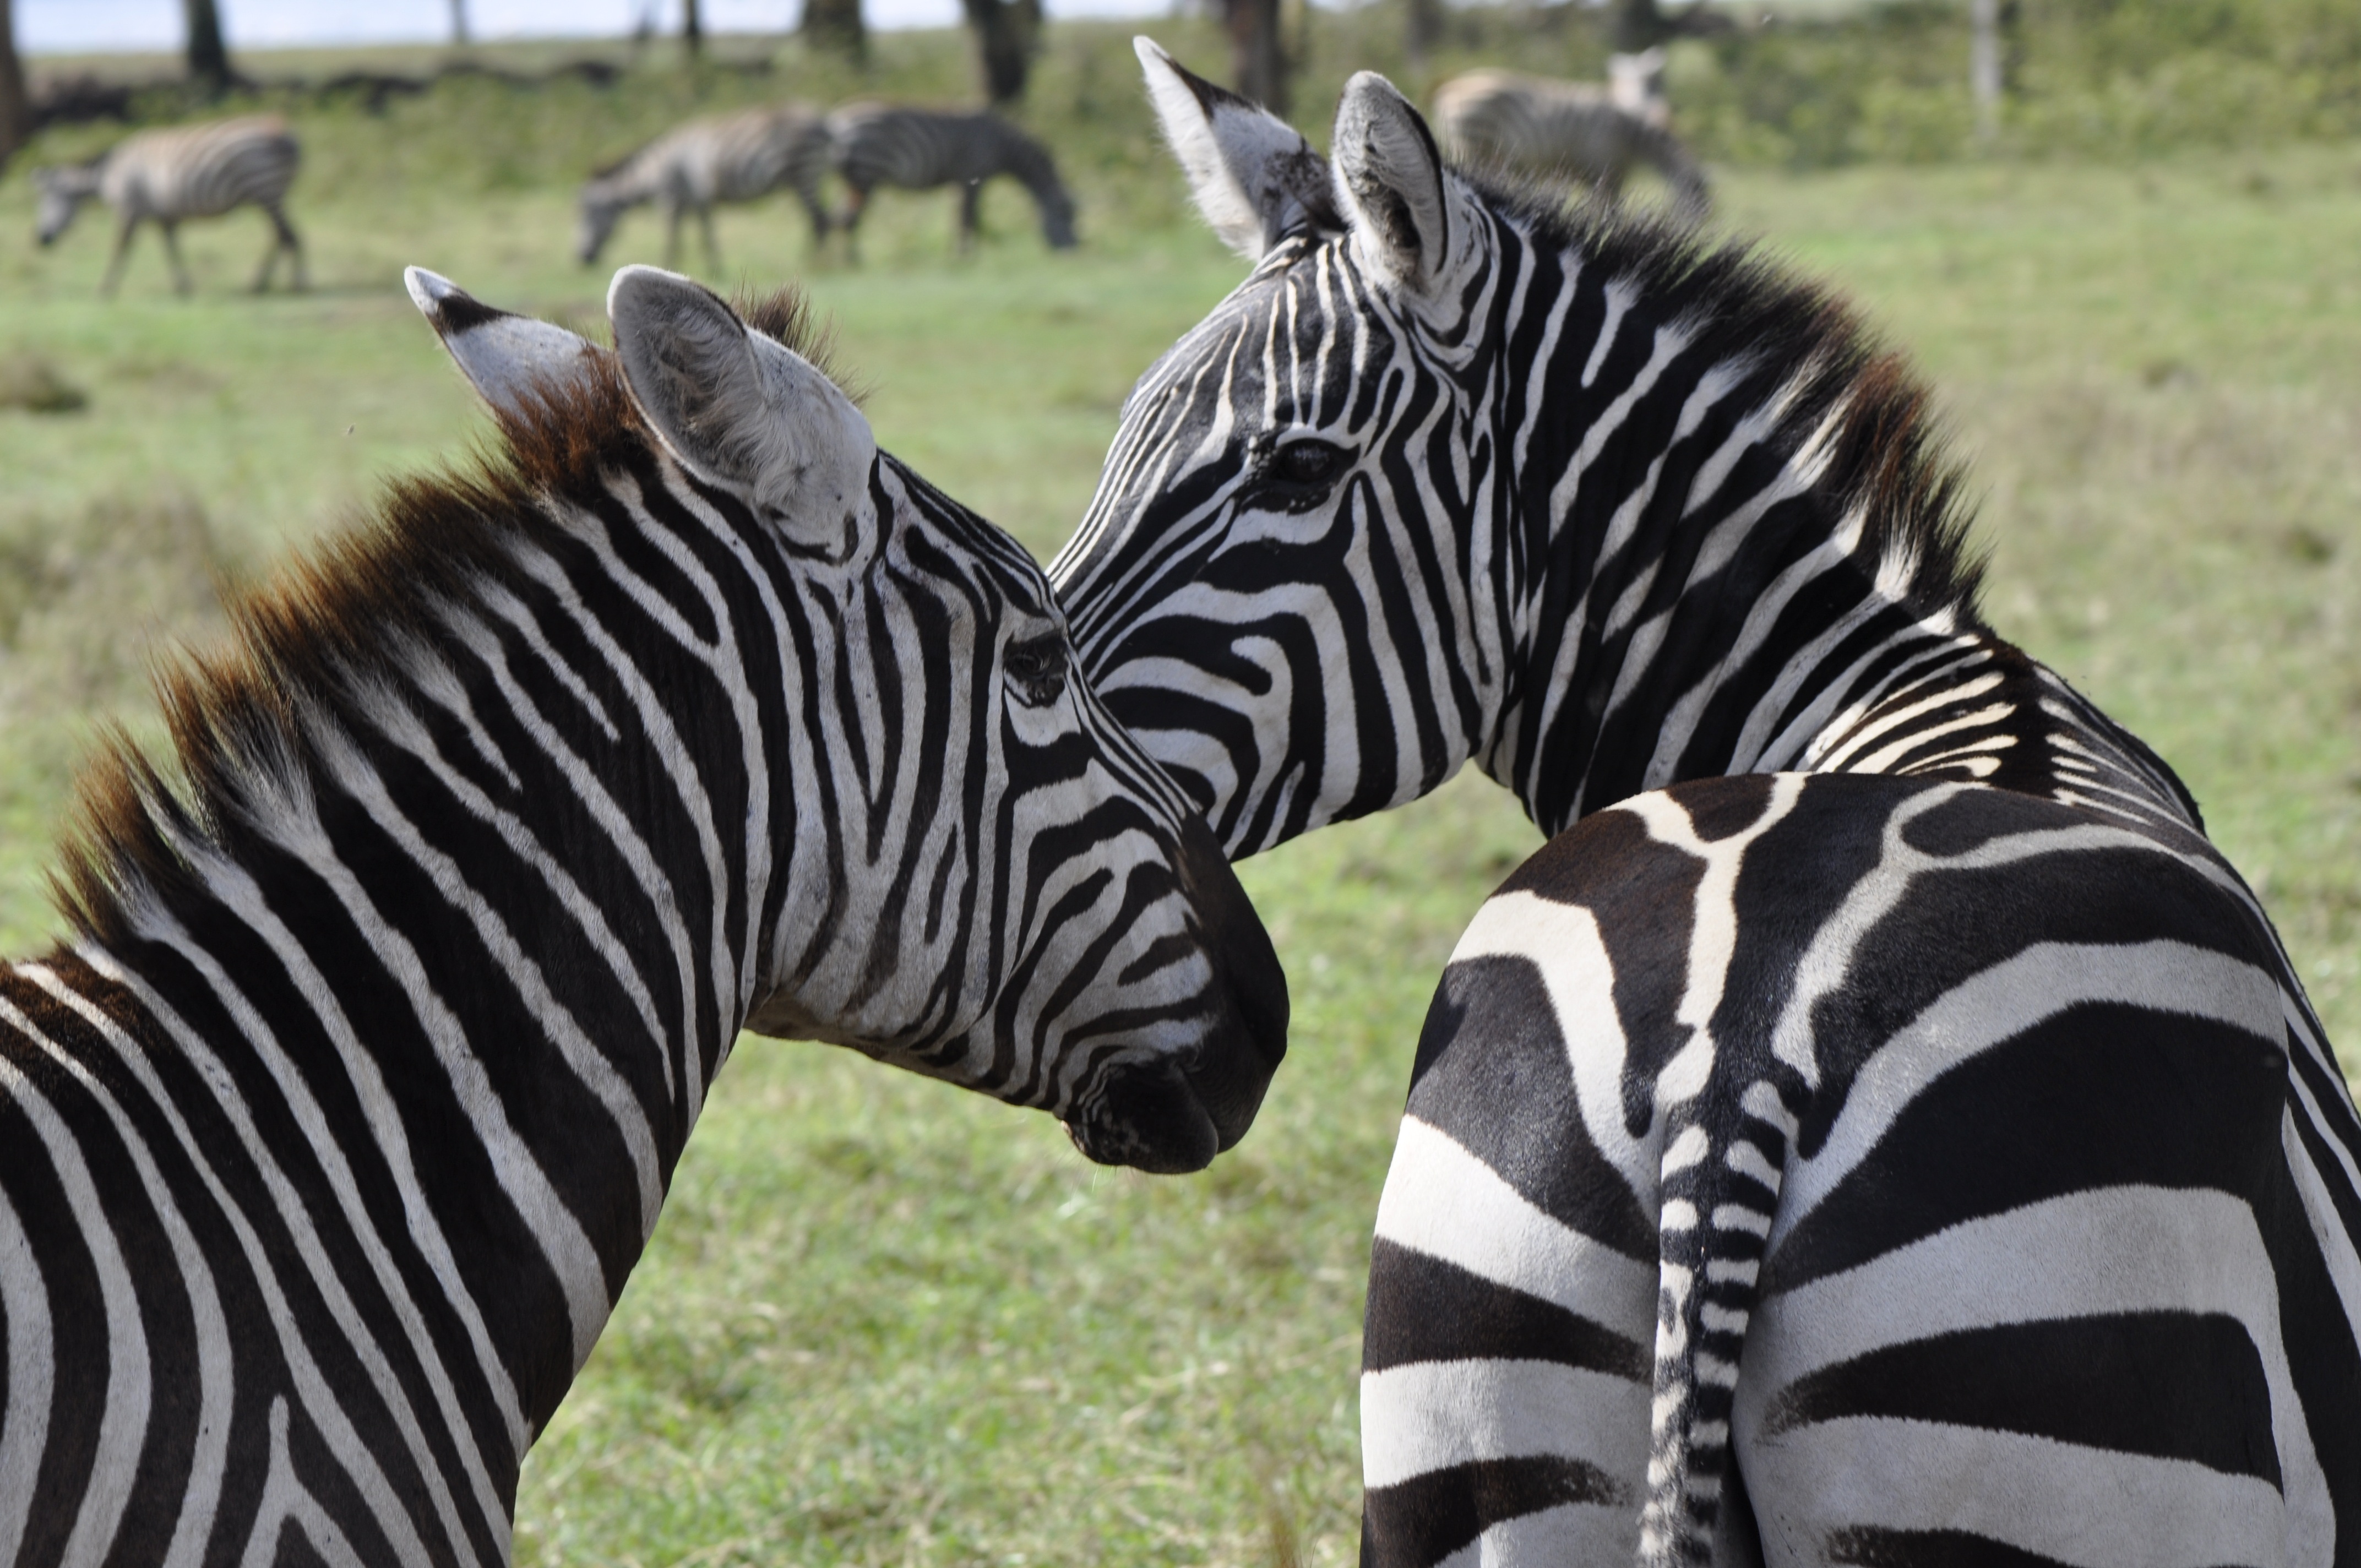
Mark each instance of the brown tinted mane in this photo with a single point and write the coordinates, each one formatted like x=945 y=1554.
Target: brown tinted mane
x=301 y=641
x=788 y=319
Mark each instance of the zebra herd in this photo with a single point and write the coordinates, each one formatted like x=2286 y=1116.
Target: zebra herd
x=201 y=172
x=1877 y=1128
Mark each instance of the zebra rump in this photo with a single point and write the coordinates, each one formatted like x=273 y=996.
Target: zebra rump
x=329 y=1139
x=925 y=149
x=741 y=156
x=1879 y=1128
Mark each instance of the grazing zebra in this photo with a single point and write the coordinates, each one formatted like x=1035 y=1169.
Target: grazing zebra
x=921 y=149
x=194 y=172
x=329 y=1139
x=1880 y=1128
x=1540 y=129
x=727 y=158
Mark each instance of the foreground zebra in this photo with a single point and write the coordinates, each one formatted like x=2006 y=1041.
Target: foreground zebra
x=726 y=158
x=1579 y=131
x=195 y=171
x=1880 y=1128
x=328 y=1142
x=921 y=149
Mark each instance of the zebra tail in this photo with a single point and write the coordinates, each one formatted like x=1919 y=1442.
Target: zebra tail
x=1720 y=1187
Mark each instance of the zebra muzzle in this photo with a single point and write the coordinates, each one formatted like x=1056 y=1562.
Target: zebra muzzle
x=1167 y=1118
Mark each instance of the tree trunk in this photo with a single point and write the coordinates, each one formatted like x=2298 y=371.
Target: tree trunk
x=1006 y=31
x=692 y=26
x=15 y=111
x=1425 y=31
x=459 y=23
x=208 y=59
x=836 y=24
x=1257 y=63
x=1983 y=67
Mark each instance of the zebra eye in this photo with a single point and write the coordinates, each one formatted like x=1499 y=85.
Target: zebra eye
x=1037 y=668
x=1308 y=463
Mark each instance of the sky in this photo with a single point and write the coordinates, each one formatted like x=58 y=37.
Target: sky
x=59 y=27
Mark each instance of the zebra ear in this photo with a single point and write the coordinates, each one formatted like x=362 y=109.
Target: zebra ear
x=734 y=405
x=1255 y=177
x=507 y=357
x=1389 y=177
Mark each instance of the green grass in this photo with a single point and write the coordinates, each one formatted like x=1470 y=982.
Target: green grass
x=884 y=1322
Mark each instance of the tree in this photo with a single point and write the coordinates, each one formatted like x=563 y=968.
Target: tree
x=1257 y=59
x=692 y=26
x=208 y=59
x=1005 y=34
x=15 y=111
x=1425 y=29
x=1636 y=24
x=836 y=24
x=459 y=23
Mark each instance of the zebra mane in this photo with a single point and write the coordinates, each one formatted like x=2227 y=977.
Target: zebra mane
x=335 y=628
x=1888 y=456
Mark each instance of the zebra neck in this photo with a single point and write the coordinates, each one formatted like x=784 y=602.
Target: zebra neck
x=460 y=956
x=1732 y=548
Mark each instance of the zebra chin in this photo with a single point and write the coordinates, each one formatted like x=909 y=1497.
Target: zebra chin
x=1167 y=1116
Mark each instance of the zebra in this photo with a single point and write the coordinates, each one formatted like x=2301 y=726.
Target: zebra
x=1878 y=1127
x=329 y=1137
x=741 y=156
x=1573 y=130
x=920 y=150
x=190 y=171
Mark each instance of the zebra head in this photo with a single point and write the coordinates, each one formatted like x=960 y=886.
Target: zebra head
x=606 y=197
x=973 y=872
x=63 y=192
x=1252 y=586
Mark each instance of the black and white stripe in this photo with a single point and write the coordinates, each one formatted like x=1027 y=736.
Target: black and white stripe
x=1879 y=1128
x=924 y=149
x=1590 y=134
x=192 y=171
x=741 y=157
x=327 y=1142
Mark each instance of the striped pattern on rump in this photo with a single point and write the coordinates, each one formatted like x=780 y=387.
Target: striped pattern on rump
x=329 y=1140
x=925 y=149
x=1880 y=1128
x=2031 y=1234
x=739 y=157
x=190 y=171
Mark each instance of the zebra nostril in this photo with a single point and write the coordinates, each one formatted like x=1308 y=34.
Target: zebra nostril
x=1147 y=1116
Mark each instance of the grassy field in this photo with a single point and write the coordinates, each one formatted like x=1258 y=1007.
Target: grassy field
x=883 y=1322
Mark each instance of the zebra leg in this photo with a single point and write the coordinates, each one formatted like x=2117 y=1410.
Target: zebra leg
x=817 y=211
x=180 y=284
x=712 y=251
x=113 y=277
x=672 y=236
x=856 y=202
x=1506 y=1362
x=283 y=237
x=970 y=199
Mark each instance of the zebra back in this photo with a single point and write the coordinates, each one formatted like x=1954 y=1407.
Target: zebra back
x=875 y=144
x=196 y=171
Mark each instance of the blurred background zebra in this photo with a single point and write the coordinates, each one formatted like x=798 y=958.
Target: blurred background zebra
x=923 y=150
x=328 y=1142
x=726 y=158
x=190 y=171
x=1580 y=131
